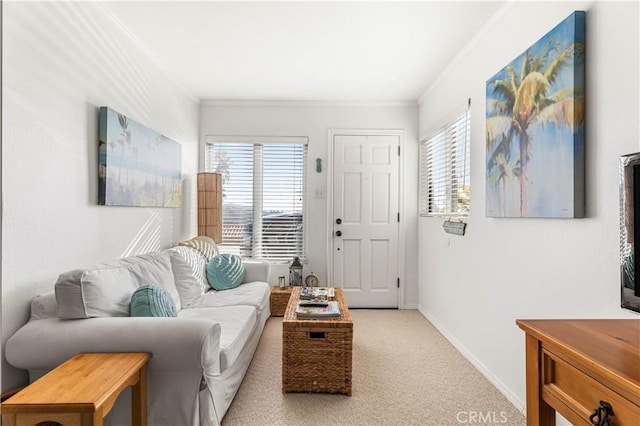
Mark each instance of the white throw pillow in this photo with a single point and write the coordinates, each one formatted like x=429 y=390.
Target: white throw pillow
x=188 y=266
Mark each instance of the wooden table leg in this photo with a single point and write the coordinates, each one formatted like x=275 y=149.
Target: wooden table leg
x=139 y=400
x=539 y=413
x=8 y=419
x=92 y=419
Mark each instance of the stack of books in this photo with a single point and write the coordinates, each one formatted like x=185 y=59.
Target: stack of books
x=307 y=293
x=317 y=309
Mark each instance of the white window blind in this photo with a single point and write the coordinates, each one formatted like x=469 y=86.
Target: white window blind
x=444 y=169
x=263 y=192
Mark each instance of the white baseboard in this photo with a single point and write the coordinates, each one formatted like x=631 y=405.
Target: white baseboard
x=413 y=306
x=517 y=402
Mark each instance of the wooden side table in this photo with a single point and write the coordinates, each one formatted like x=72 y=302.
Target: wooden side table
x=81 y=391
x=278 y=300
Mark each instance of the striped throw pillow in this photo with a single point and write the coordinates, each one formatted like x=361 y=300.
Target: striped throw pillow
x=150 y=300
x=225 y=271
x=204 y=245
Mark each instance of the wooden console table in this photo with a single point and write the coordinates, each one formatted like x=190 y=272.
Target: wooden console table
x=574 y=366
x=81 y=391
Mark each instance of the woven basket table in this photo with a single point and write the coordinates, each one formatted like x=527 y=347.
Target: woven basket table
x=317 y=353
x=279 y=300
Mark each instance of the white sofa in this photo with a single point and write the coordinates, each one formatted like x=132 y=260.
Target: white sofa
x=199 y=358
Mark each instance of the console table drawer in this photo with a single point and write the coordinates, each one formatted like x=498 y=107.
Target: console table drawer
x=565 y=384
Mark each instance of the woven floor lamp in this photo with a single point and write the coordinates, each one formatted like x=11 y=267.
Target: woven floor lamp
x=210 y=205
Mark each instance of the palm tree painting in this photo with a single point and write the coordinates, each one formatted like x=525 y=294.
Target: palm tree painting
x=535 y=128
x=137 y=165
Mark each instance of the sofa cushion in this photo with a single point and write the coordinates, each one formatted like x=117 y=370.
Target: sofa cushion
x=205 y=245
x=150 y=300
x=236 y=325
x=188 y=267
x=225 y=271
x=254 y=294
x=256 y=270
x=105 y=290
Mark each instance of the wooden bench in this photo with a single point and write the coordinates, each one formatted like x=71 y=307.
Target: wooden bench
x=81 y=391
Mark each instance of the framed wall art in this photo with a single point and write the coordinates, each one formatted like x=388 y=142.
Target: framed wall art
x=137 y=165
x=535 y=128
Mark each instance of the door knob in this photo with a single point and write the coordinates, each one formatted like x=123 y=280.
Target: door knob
x=338 y=233
x=338 y=221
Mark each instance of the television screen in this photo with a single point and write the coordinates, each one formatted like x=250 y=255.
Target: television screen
x=629 y=233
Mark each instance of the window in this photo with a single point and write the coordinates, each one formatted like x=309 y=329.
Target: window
x=263 y=191
x=444 y=170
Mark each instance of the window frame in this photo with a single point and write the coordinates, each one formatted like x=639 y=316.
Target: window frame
x=446 y=168
x=258 y=143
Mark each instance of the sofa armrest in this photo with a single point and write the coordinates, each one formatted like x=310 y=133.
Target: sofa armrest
x=256 y=270
x=44 y=306
x=175 y=343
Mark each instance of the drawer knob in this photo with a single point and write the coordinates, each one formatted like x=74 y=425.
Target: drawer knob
x=600 y=416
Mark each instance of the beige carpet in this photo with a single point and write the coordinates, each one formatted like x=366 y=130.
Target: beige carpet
x=404 y=373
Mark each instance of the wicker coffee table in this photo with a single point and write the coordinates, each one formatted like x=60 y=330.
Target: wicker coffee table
x=317 y=353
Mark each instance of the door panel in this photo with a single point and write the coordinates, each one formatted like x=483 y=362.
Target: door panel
x=365 y=199
x=352 y=204
x=381 y=196
x=379 y=265
x=351 y=276
x=353 y=155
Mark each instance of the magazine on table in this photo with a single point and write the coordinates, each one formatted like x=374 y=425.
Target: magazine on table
x=317 y=292
x=309 y=309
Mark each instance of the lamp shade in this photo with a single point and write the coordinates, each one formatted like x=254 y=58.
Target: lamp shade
x=210 y=205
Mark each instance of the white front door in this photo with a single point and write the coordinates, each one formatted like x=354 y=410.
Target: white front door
x=366 y=219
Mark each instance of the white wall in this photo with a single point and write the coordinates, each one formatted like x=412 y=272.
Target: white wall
x=314 y=120
x=62 y=61
x=474 y=287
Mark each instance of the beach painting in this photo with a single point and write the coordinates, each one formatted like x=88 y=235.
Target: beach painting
x=137 y=165
x=535 y=130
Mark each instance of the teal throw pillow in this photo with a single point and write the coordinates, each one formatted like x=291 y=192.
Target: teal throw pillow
x=150 y=300
x=225 y=271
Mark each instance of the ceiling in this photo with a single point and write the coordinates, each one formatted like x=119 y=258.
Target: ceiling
x=310 y=51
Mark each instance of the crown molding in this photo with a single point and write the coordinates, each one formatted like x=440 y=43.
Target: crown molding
x=314 y=103
x=475 y=40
